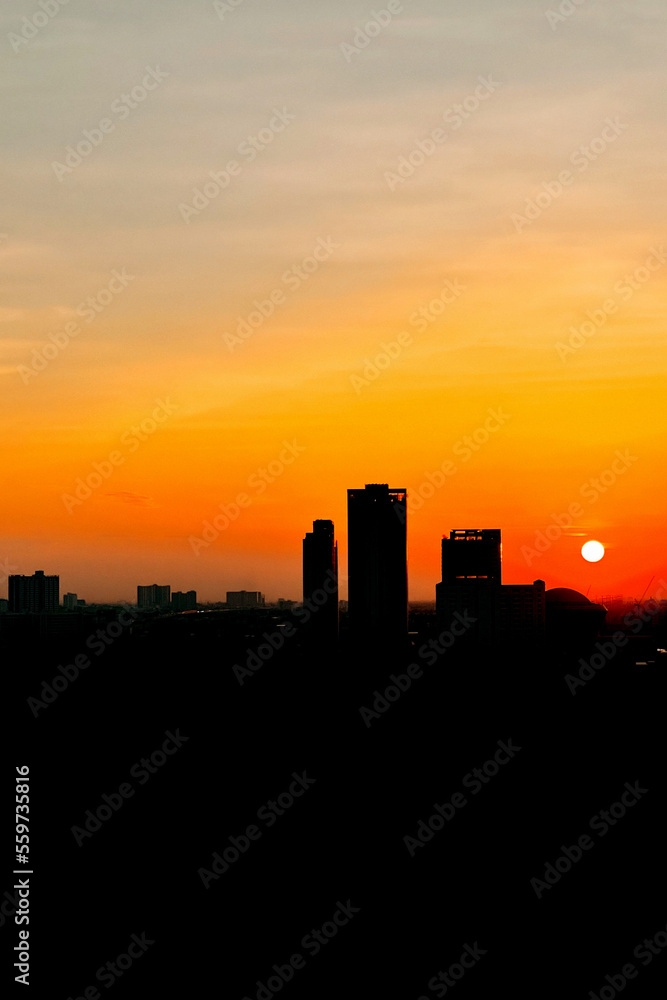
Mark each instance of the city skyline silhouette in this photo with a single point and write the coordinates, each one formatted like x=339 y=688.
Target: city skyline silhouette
x=560 y=533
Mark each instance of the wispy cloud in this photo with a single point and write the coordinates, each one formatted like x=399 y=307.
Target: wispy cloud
x=134 y=499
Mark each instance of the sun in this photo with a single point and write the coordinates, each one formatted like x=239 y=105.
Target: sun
x=593 y=551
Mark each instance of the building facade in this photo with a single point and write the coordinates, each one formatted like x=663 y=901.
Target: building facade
x=320 y=577
x=472 y=584
x=184 y=601
x=239 y=599
x=153 y=596
x=34 y=593
x=377 y=562
x=472 y=554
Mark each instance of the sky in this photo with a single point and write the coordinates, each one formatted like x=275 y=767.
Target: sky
x=470 y=195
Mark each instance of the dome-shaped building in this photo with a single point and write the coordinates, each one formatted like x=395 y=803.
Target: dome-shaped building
x=571 y=618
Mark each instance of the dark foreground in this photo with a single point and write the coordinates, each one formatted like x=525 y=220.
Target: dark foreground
x=189 y=882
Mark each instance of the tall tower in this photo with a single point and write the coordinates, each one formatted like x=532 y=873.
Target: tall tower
x=472 y=554
x=471 y=580
x=378 y=562
x=320 y=577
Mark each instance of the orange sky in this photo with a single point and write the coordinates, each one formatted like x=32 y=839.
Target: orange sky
x=165 y=329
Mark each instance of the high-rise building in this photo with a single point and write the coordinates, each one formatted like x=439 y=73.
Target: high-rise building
x=34 y=593
x=377 y=562
x=184 y=601
x=472 y=554
x=153 y=596
x=522 y=610
x=70 y=601
x=468 y=599
x=245 y=599
x=320 y=577
x=472 y=585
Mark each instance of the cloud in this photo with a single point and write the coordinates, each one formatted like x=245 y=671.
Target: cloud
x=135 y=499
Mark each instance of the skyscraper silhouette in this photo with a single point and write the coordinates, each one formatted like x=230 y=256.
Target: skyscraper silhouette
x=472 y=554
x=320 y=577
x=34 y=593
x=154 y=596
x=471 y=579
x=184 y=601
x=377 y=562
x=472 y=584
